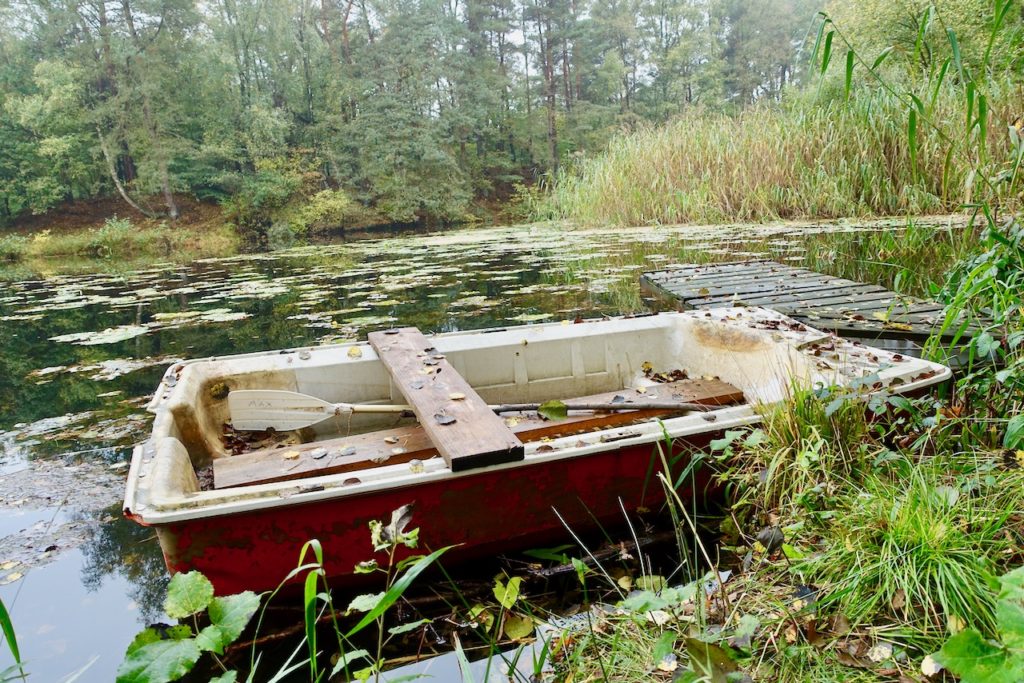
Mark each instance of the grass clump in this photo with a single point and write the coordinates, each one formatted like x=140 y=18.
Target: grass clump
x=806 y=450
x=920 y=548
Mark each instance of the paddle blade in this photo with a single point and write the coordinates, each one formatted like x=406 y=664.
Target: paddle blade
x=253 y=410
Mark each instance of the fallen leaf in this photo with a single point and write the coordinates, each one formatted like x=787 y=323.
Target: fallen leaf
x=880 y=652
x=290 y=455
x=355 y=352
x=929 y=667
x=390 y=439
x=456 y=396
x=443 y=419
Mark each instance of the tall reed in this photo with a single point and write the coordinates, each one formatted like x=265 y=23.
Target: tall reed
x=815 y=156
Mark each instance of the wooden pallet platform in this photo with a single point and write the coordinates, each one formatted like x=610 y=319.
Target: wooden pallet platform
x=845 y=307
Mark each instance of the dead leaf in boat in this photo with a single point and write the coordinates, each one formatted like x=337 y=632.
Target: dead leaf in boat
x=348 y=450
x=390 y=439
x=290 y=455
x=397 y=451
x=11 y=578
x=703 y=291
x=554 y=410
x=641 y=390
x=8 y=565
x=511 y=421
x=355 y=352
x=456 y=396
x=892 y=325
x=443 y=419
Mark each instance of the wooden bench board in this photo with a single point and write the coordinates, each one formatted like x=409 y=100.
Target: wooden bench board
x=465 y=431
x=402 y=444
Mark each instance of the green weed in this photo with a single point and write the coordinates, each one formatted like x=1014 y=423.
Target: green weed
x=919 y=548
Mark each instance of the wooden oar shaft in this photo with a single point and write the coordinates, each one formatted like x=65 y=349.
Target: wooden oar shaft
x=606 y=407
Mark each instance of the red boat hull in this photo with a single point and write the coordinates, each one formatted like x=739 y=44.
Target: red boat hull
x=483 y=514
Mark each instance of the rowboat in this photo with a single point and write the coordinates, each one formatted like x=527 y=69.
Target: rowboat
x=451 y=424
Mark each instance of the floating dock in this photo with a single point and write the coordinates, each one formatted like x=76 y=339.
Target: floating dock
x=845 y=307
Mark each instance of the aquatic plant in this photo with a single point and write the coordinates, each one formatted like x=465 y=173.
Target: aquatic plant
x=160 y=654
x=16 y=670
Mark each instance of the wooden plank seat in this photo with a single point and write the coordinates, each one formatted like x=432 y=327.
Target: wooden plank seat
x=465 y=431
x=402 y=444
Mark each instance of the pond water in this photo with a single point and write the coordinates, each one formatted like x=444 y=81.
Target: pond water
x=80 y=354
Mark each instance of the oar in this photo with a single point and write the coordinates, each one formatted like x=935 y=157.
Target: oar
x=254 y=410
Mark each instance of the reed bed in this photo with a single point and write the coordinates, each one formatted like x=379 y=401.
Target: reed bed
x=819 y=159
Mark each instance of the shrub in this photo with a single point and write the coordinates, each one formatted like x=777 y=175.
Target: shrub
x=13 y=248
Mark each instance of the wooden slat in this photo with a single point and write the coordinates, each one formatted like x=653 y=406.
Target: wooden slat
x=769 y=287
x=474 y=435
x=363 y=451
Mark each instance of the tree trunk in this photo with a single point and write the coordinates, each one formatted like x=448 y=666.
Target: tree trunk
x=117 y=181
x=151 y=125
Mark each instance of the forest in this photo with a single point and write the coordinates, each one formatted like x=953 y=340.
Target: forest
x=409 y=111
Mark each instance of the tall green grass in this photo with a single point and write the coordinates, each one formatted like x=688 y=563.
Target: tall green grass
x=813 y=157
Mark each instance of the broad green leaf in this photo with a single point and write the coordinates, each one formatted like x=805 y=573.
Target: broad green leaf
x=187 y=594
x=518 y=626
x=651 y=582
x=834 y=405
x=226 y=677
x=745 y=630
x=713 y=662
x=405 y=628
x=507 y=594
x=1010 y=620
x=161 y=662
x=755 y=438
x=365 y=602
x=644 y=601
x=396 y=590
x=151 y=635
x=1014 y=436
x=663 y=648
x=229 y=616
x=346 y=659
x=553 y=410
x=976 y=660
x=986 y=344
x=727 y=440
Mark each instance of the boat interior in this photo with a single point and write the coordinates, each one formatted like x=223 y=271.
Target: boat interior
x=718 y=359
